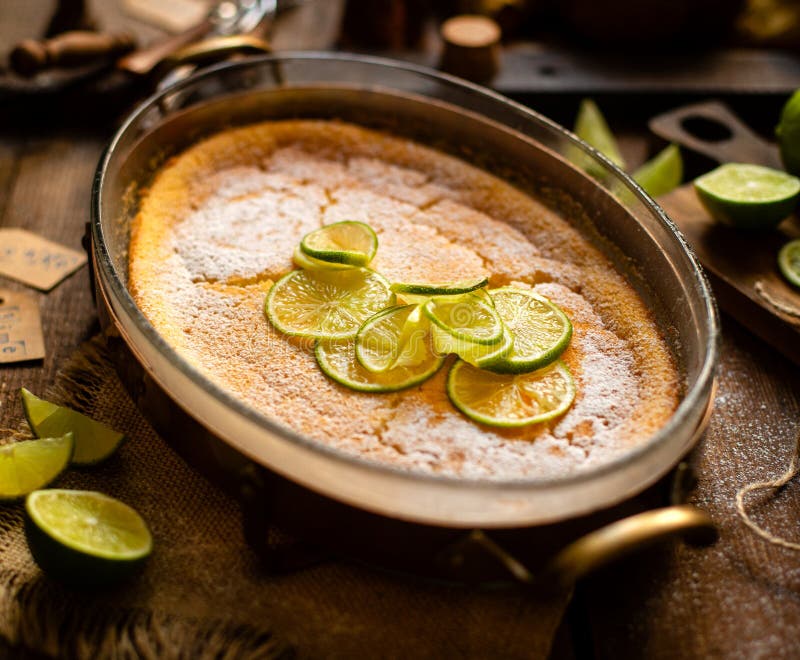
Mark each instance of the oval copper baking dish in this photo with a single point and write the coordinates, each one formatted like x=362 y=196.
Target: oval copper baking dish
x=327 y=489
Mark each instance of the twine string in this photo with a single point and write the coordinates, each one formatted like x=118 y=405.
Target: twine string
x=778 y=482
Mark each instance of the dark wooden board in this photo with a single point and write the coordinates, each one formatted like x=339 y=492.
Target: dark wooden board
x=743 y=270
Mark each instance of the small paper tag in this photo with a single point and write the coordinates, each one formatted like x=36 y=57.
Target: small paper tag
x=34 y=260
x=20 y=327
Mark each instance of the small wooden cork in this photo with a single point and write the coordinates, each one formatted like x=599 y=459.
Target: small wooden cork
x=471 y=47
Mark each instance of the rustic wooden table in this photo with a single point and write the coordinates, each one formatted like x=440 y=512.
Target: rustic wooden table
x=738 y=598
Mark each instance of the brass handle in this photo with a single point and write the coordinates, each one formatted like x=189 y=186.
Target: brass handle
x=215 y=49
x=622 y=537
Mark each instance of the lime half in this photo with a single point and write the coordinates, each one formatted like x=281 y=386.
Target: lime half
x=661 y=174
x=748 y=196
x=32 y=464
x=349 y=242
x=468 y=318
x=94 y=441
x=326 y=305
x=338 y=361
x=541 y=331
x=789 y=261
x=511 y=400
x=84 y=537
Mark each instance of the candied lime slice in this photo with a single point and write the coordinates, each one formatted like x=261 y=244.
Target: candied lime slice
x=337 y=360
x=330 y=305
x=32 y=464
x=439 y=288
x=397 y=336
x=302 y=260
x=748 y=196
x=94 y=441
x=541 y=331
x=467 y=317
x=789 y=261
x=511 y=400
x=662 y=173
x=348 y=242
x=478 y=355
x=84 y=537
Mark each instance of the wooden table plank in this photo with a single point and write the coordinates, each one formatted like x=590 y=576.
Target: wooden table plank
x=48 y=192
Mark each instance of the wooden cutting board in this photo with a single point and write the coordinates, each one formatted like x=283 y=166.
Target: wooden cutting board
x=742 y=266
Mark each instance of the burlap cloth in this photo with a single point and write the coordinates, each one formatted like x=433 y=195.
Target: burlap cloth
x=204 y=593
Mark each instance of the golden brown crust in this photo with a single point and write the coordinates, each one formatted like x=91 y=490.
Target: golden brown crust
x=219 y=223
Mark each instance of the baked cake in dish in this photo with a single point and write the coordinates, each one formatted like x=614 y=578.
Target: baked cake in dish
x=220 y=221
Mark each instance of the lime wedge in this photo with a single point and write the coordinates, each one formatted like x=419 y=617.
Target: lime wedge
x=441 y=288
x=302 y=260
x=94 y=441
x=348 y=242
x=338 y=361
x=748 y=196
x=330 y=305
x=789 y=261
x=397 y=336
x=32 y=464
x=468 y=318
x=511 y=400
x=541 y=331
x=788 y=134
x=662 y=173
x=85 y=538
x=591 y=127
x=478 y=355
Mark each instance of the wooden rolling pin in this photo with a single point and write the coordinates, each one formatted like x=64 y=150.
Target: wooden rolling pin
x=69 y=49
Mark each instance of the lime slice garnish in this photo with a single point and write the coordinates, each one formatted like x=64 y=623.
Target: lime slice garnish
x=468 y=317
x=329 y=305
x=748 y=196
x=84 y=537
x=789 y=261
x=302 y=260
x=591 y=127
x=541 y=331
x=440 y=288
x=32 y=464
x=478 y=355
x=662 y=173
x=94 y=441
x=511 y=400
x=348 y=242
x=788 y=134
x=397 y=336
x=338 y=361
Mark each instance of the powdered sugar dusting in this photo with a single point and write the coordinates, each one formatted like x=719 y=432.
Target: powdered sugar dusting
x=201 y=270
